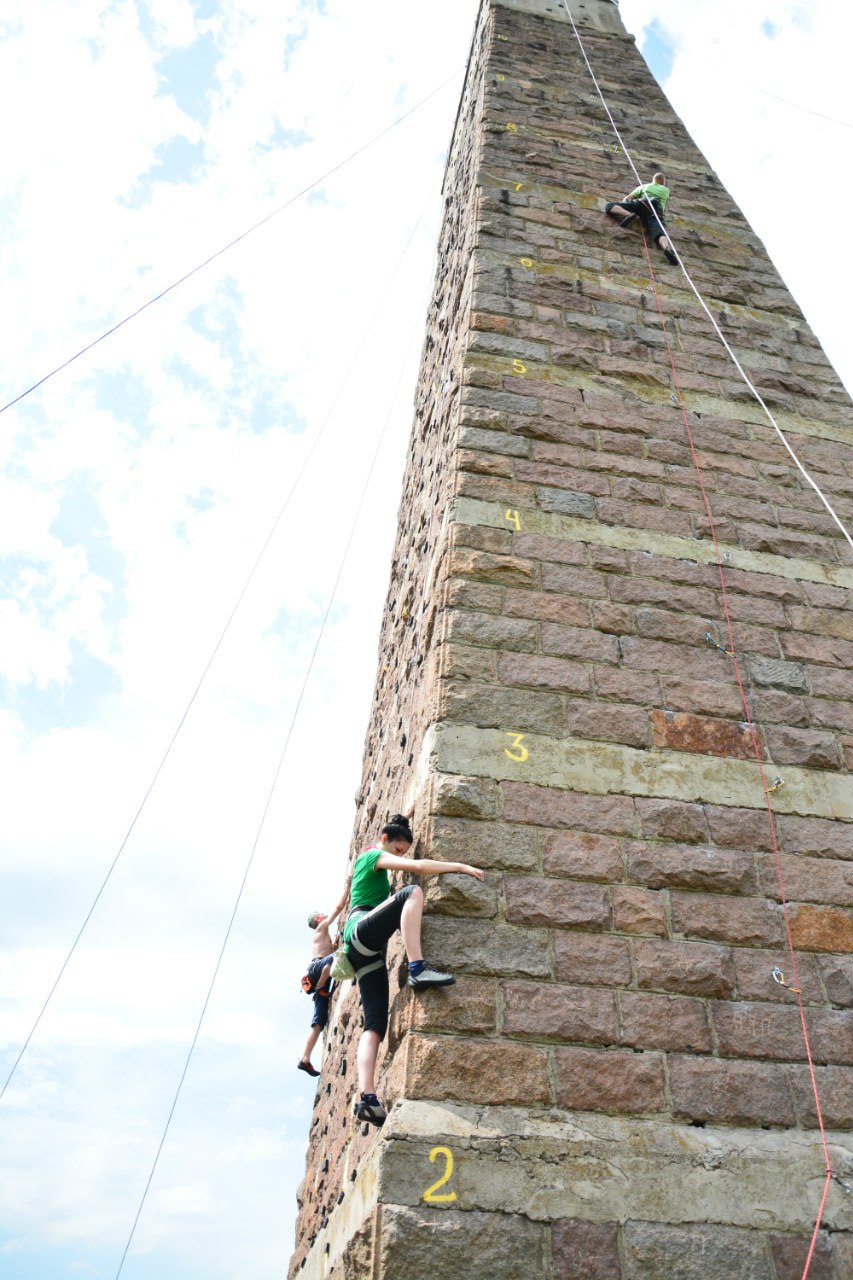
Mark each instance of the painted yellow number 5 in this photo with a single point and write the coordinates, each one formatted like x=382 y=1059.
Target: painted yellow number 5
x=518 y=367
x=430 y=1195
x=519 y=753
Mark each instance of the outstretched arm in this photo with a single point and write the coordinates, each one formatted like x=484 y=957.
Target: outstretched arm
x=343 y=902
x=426 y=866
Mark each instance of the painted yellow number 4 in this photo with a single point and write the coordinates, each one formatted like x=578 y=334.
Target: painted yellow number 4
x=519 y=753
x=431 y=1194
x=514 y=518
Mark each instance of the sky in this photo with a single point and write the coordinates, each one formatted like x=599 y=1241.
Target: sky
x=137 y=488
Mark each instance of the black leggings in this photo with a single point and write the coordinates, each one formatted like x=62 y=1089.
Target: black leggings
x=652 y=219
x=366 y=953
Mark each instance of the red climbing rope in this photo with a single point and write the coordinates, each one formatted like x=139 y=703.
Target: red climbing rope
x=795 y=987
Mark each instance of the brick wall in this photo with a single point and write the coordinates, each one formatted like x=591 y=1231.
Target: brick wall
x=546 y=691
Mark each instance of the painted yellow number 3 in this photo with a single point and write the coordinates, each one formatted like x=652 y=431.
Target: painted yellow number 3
x=430 y=1195
x=519 y=753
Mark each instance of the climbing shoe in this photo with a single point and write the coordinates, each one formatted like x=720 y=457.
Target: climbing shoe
x=429 y=977
x=369 y=1108
x=670 y=257
x=307 y=1067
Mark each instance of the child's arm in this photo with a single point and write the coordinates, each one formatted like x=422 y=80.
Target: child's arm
x=343 y=902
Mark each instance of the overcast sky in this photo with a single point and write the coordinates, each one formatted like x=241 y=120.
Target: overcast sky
x=137 y=487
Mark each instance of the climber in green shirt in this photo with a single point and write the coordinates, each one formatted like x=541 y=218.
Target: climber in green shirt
x=648 y=203
x=376 y=914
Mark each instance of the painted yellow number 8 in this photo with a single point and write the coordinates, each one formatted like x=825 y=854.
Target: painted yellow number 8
x=430 y=1195
x=520 y=753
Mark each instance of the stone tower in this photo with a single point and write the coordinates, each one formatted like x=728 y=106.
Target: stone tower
x=617 y=1087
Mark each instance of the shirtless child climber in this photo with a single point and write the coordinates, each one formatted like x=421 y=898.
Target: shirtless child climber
x=317 y=980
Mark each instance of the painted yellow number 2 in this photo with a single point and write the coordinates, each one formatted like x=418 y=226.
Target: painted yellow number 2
x=519 y=753
x=513 y=517
x=430 y=1195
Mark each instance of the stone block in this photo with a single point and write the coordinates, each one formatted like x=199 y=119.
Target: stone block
x=596 y=959
x=818 y=880
x=837 y=975
x=492 y=633
x=484 y=844
x=753 y=1030
x=535 y=672
x=548 y=1011
x=730 y=1092
x=469 y=1006
x=835 y=1090
x=753 y=971
x=664 y=1022
x=610 y=1080
x=483 y=947
x=494 y=708
x=578 y=642
x=422 y=1243
x=504 y=571
x=460 y=1069
x=459 y=797
x=609 y=722
x=638 y=911
x=821 y=928
x=547 y=903
x=809 y=748
x=702 y=697
x=749 y=922
x=777 y=674
x=547 y=606
x=687 y=968
x=581 y=856
x=739 y=828
x=628 y=686
x=685 y=866
x=585 y=1250
x=549 y=807
x=652 y=1250
x=820 y=837
x=672 y=820
x=461 y=895
x=791 y=1252
x=681 y=732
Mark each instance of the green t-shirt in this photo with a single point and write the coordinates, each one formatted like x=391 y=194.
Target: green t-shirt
x=653 y=189
x=369 y=886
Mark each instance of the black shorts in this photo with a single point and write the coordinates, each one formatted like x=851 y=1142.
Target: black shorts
x=652 y=219
x=366 y=953
x=321 y=1002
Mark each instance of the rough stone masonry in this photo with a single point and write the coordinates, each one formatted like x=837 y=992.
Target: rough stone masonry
x=616 y=1088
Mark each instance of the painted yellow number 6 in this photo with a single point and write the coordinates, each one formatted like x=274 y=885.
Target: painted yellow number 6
x=520 y=753
x=430 y=1195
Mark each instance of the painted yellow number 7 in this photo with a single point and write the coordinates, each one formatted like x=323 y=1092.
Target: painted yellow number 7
x=430 y=1195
